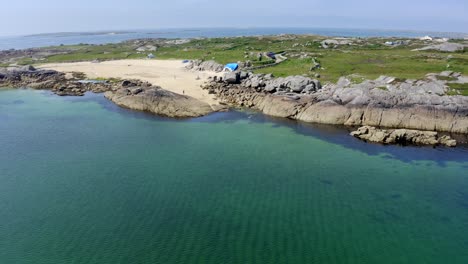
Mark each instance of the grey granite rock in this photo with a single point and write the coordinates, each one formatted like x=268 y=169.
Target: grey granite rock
x=158 y=101
x=199 y=65
x=232 y=77
x=403 y=136
x=447 y=47
x=384 y=102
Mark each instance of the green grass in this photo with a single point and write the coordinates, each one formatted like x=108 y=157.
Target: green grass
x=445 y=78
x=383 y=88
x=356 y=79
x=369 y=64
x=287 y=68
x=91 y=55
x=369 y=60
x=91 y=52
x=458 y=89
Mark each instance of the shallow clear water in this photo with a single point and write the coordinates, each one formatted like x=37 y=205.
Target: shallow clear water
x=23 y=42
x=83 y=181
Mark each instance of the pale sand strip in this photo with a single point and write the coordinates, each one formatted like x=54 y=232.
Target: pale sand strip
x=169 y=74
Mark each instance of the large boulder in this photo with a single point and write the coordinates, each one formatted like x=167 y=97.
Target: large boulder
x=158 y=101
x=27 y=68
x=127 y=83
x=298 y=83
x=199 y=65
x=243 y=75
x=232 y=77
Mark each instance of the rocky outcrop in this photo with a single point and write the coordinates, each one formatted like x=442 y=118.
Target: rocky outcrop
x=133 y=94
x=403 y=136
x=14 y=56
x=158 y=101
x=199 y=65
x=445 y=47
x=294 y=84
x=21 y=75
x=331 y=43
x=57 y=82
x=146 y=48
x=267 y=83
x=384 y=102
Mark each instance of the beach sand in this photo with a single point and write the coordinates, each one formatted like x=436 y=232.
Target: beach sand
x=169 y=74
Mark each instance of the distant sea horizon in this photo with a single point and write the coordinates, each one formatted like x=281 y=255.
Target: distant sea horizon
x=110 y=36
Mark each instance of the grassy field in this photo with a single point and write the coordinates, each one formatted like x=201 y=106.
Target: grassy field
x=458 y=89
x=91 y=52
x=368 y=58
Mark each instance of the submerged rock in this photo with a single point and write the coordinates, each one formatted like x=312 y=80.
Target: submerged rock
x=403 y=136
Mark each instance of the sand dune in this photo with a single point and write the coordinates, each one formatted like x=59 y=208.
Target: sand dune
x=169 y=74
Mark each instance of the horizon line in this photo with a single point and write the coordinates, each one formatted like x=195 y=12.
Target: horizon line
x=132 y=30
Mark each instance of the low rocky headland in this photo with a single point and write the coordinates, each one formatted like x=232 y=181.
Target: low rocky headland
x=59 y=83
x=132 y=94
x=158 y=101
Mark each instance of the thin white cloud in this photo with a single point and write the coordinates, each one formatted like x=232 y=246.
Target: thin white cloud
x=58 y=15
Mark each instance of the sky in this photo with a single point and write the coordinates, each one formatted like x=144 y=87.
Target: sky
x=45 y=16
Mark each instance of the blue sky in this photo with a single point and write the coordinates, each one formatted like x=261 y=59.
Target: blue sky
x=32 y=16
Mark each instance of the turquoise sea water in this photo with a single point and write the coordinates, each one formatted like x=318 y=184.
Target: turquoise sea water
x=83 y=181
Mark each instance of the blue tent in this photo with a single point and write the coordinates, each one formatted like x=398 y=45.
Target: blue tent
x=231 y=66
x=272 y=55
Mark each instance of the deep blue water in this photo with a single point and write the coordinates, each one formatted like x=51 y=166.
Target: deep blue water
x=22 y=42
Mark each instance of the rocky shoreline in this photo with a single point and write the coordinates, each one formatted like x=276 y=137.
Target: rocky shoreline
x=59 y=83
x=403 y=136
x=132 y=94
x=384 y=102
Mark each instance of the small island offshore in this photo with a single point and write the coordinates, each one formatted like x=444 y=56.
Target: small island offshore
x=395 y=90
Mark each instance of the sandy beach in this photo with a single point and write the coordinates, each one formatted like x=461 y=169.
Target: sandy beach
x=169 y=74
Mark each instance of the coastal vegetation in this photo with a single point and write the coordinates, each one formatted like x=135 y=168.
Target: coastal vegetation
x=368 y=58
x=458 y=89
